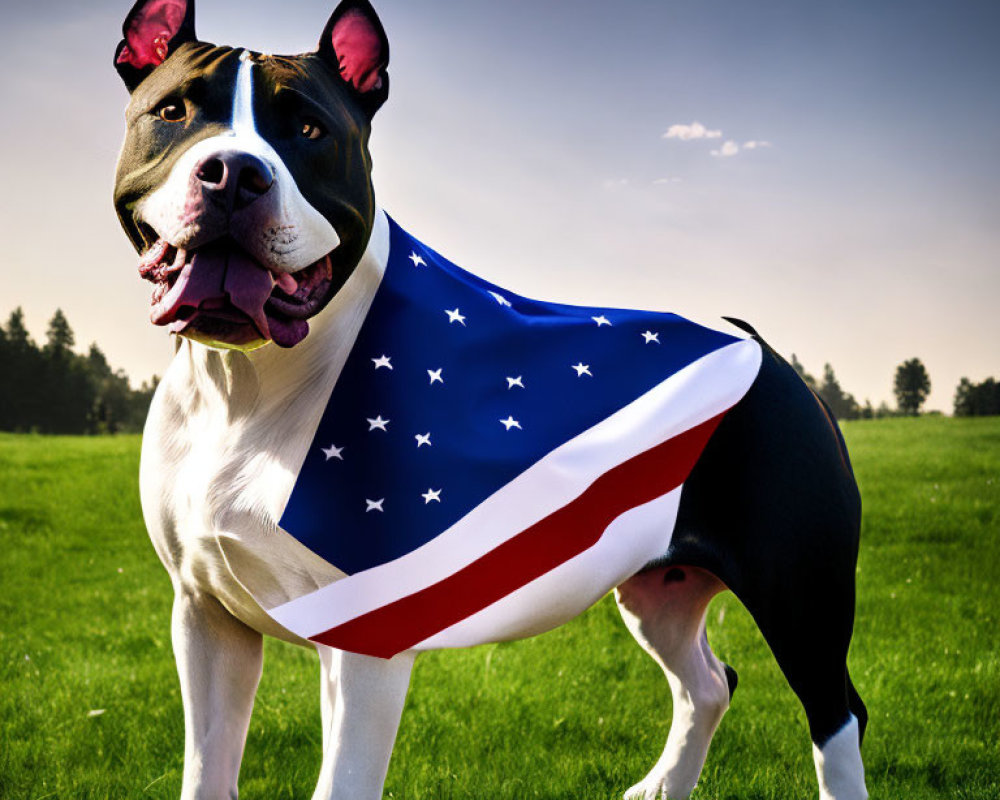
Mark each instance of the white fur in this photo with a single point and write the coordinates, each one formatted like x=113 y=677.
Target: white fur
x=669 y=624
x=839 y=769
x=364 y=697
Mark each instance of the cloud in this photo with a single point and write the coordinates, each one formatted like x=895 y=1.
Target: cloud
x=695 y=131
x=661 y=181
x=731 y=148
x=687 y=133
x=728 y=149
x=615 y=183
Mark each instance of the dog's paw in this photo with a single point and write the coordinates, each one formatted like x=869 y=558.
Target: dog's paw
x=647 y=790
x=656 y=786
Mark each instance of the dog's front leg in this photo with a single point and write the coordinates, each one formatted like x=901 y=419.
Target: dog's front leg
x=362 y=702
x=219 y=663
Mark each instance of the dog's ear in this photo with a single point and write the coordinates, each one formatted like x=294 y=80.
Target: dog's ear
x=355 y=43
x=152 y=30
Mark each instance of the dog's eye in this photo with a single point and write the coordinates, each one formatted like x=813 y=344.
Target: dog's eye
x=312 y=130
x=171 y=110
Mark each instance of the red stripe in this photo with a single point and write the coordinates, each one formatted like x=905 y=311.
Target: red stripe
x=548 y=543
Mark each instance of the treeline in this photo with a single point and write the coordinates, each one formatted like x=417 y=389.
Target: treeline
x=977 y=399
x=911 y=385
x=51 y=389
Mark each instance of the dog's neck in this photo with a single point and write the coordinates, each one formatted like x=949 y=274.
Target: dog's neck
x=272 y=377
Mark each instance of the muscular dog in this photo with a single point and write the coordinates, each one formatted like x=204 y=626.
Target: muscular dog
x=244 y=184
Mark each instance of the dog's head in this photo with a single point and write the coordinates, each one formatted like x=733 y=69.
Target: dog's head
x=245 y=181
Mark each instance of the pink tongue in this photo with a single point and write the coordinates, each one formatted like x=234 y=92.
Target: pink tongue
x=213 y=279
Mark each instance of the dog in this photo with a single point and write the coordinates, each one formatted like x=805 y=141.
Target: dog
x=244 y=185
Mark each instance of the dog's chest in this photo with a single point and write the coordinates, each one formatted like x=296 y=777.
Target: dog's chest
x=218 y=465
x=202 y=475
x=223 y=445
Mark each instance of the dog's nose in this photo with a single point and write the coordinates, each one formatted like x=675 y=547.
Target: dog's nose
x=235 y=178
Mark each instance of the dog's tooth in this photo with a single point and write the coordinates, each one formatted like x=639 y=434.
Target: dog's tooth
x=179 y=258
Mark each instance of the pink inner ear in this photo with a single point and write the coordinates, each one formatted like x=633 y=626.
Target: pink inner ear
x=150 y=31
x=359 y=50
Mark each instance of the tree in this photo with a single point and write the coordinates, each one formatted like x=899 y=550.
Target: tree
x=842 y=404
x=112 y=395
x=97 y=362
x=988 y=397
x=59 y=338
x=977 y=399
x=911 y=386
x=66 y=384
x=964 y=404
x=17 y=334
x=23 y=379
x=6 y=389
x=808 y=379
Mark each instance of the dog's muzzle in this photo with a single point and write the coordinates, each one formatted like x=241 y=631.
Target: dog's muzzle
x=217 y=292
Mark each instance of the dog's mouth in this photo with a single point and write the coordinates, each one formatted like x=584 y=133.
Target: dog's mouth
x=219 y=295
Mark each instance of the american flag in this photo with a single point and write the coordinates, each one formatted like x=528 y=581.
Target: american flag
x=489 y=465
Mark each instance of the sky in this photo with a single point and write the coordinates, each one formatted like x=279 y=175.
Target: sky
x=826 y=171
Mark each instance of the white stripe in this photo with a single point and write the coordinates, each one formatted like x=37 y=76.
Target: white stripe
x=627 y=544
x=243 y=97
x=693 y=395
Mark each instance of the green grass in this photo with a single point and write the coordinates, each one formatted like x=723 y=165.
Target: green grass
x=577 y=713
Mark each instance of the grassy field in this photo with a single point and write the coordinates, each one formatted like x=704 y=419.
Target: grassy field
x=90 y=707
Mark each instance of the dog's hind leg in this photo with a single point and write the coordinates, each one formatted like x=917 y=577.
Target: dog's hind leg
x=362 y=700
x=807 y=618
x=664 y=609
x=219 y=664
x=772 y=509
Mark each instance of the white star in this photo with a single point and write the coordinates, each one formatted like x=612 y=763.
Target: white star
x=374 y=505
x=510 y=422
x=435 y=375
x=649 y=336
x=512 y=382
x=601 y=320
x=382 y=361
x=333 y=452
x=423 y=439
x=582 y=369
x=432 y=494
x=378 y=422
x=418 y=260
x=454 y=316
x=501 y=299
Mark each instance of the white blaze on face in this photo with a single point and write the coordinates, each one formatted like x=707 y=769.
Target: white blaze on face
x=243 y=99
x=281 y=229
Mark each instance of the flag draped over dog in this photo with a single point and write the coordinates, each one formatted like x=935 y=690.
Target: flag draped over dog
x=489 y=465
